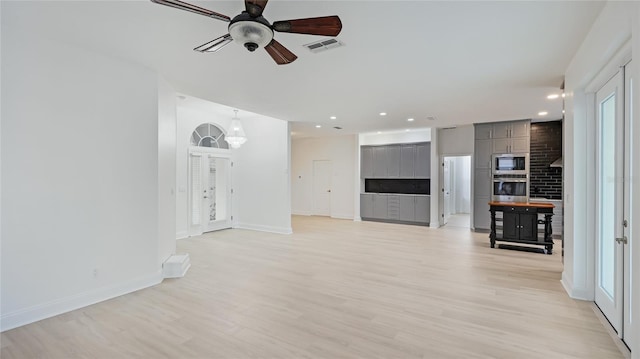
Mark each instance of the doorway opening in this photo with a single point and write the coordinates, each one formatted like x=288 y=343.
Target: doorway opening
x=456 y=191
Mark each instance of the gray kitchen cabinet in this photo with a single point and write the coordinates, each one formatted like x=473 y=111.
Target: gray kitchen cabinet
x=379 y=206
x=366 y=205
x=482 y=183
x=423 y=160
x=393 y=161
x=407 y=210
x=483 y=153
x=393 y=207
x=501 y=130
x=481 y=214
x=520 y=145
x=520 y=129
x=407 y=161
x=483 y=131
x=511 y=145
x=501 y=145
x=423 y=209
x=366 y=162
x=379 y=162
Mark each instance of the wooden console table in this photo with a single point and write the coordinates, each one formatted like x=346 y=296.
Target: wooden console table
x=520 y=223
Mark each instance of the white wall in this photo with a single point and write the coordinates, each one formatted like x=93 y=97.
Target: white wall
x=166 y=170
x=261 y=179
x=618 y=22
x=341 y=151
x=370 y=139
x=80 y=154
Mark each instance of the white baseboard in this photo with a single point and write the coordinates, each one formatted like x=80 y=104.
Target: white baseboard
x=46 y=310
x=341 y=216
x=261 y=228
x=301 y=213
x=575 y=293
x=182 y=235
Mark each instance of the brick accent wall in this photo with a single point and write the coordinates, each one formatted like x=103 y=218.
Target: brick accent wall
x=546 y=147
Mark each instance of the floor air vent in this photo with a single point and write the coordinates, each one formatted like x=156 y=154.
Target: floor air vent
x=323 y=45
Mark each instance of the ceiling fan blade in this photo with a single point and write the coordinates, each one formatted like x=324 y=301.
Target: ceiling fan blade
x=280 y=54
x=326 y=25
x=177 y=4
x=215 y=44
x=255 y=7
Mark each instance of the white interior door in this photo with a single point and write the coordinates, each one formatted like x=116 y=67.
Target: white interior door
x=610 y=201
x=321 y=188
x=209 y=193
x=446 y=189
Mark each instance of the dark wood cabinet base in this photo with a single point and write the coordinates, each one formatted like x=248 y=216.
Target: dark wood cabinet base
x=522 y=221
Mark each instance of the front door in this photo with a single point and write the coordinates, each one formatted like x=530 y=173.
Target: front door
x=321 y=188
x=611 y=237
x=210 y=193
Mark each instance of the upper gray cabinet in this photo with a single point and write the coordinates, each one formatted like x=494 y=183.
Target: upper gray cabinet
x=380 y=162
x=393 y=161
x=366 y=162
x=407 y=161
x=483 y=131
x=396 y=161
x=423 y=160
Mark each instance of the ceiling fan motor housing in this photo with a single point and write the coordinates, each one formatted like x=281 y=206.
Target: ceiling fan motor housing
x=252 y=32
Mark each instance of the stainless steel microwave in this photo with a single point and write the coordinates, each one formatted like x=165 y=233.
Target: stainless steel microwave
x=510 y=164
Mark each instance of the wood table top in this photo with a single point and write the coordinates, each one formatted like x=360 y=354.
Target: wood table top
x=523 y=204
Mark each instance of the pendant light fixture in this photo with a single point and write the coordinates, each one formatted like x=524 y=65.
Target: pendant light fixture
x=235 y=133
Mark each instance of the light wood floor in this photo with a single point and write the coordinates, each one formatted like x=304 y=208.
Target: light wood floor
x=335 y=289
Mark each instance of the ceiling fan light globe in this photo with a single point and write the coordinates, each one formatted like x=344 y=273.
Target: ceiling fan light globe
x=252 y=34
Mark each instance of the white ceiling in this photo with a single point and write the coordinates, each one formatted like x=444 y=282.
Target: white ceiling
x=462 y=62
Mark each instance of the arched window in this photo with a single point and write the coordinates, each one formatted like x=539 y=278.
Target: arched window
x=208 y=135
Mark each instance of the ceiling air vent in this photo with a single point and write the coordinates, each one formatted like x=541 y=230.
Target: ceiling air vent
x=323 y=45
x=337 y=127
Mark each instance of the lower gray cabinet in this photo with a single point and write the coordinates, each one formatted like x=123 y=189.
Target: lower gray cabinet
x=366 y=205
x=407 y=208
x=423 y=209
x=481 y=215
x=395 y=208
x=380 y=206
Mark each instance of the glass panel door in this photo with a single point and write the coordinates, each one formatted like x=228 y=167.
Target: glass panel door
x=609 y=201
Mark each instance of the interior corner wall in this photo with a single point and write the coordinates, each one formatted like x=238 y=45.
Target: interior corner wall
x=341 y=152
x=166 y=170
x=80 y=155
x=188 y=119
x=261 y=177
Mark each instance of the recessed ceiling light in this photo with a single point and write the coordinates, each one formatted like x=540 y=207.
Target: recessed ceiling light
x=383 y=113
x=379 y=132
x=407 y=130
x=553 y=96
x=543 y=113
x=410 y=119
x=562 y=95
x=318 y=126
x=333 y=117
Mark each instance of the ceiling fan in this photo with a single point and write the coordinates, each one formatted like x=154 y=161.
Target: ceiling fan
x=252 y=30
